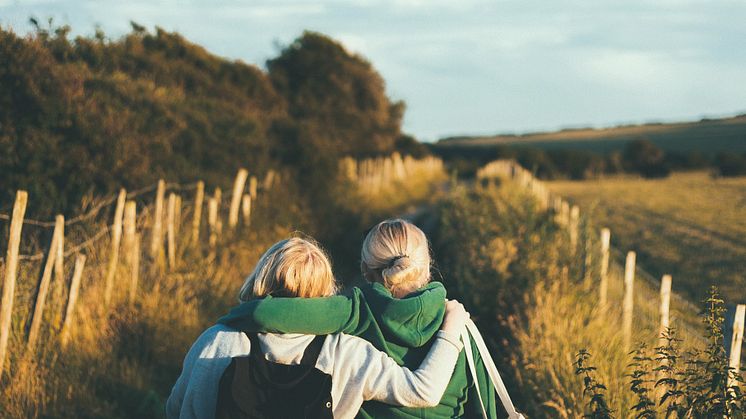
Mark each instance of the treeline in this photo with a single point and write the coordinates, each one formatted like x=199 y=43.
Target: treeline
x=82 y=117
x=640 y=156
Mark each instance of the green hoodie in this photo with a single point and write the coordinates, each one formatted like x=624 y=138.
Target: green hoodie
x=403 y=328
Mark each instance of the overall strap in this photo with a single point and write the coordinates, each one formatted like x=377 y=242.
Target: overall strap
x=311 y=354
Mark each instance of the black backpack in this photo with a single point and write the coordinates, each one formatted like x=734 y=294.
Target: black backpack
x=252 y=387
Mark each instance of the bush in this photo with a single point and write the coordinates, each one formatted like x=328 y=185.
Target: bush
x=644 y=157
x=730 y=164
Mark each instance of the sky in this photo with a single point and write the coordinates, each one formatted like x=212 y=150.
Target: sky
x=474 y=67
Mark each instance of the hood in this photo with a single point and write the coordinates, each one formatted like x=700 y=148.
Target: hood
x=411 y=321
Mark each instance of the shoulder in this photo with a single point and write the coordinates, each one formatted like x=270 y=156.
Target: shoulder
x=221 y=340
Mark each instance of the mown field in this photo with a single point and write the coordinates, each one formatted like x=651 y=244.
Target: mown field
x=690 y=225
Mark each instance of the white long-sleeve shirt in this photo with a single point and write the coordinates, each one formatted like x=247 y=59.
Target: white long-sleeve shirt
x=359 y=371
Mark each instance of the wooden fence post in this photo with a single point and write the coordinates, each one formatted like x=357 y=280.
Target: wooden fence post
x=177 y=215
x=574 y=224
x=11 y=270
x=72 y=299
x=246 y=209
x=134 y=269
x=252 y=187
x=156 y=242
x=238 y=186
x=130 y=236
x=629 y=301
x=735 y=344
x=170 y=230
x=198 y=200
x=59 y=266
x=665 y=304
x=212 y=222
x=269 y=178
x=604 y=268
x=116 y=237
x=46 y=279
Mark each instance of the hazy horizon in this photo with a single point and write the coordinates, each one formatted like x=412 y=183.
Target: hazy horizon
x=477 y=67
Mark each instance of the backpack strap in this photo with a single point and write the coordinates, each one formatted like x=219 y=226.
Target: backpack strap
x=313 y=350
x=489 y=364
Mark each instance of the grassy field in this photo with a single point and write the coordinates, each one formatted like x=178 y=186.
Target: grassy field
x=689 y=225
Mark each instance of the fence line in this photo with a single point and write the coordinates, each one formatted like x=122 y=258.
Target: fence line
x=124 y=223
x=567 y=216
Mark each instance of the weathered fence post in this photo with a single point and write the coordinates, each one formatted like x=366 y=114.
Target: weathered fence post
x=604 y=268
x=116 y=237
x=629 y=301
x=129 y=230
x=177 y=215
x=171 y=237
x=59 y=259
x=156 y=240
x=252 y=187
x=574 y=224
x=46 y=279
x=72 y=299
x=134 y=269
x=665 y=304
x=198 y=200
x=246 y=209
x=269 y=178
x=238 y=186
x=735 y=344
x=212 y=222
x=11 y=270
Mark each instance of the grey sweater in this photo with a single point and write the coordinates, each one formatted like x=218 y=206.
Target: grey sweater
x=359 y=371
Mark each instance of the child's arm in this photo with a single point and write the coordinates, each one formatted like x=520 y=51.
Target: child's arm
x=314 y=316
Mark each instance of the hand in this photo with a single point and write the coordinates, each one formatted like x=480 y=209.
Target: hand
x=456 y=317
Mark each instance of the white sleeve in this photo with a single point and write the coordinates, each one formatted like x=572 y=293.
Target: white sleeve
x=195 y=393
x=365 y=368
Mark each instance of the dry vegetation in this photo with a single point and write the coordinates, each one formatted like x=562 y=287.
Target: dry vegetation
x=122 y=361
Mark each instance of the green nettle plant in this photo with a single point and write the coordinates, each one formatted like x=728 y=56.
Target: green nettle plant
x=699 y=384
x=642 y=377
x=597 y=406
x=668 y=356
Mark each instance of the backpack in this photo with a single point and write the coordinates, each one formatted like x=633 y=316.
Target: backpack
x=252 y=387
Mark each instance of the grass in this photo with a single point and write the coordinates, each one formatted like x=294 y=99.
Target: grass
x=689 y=225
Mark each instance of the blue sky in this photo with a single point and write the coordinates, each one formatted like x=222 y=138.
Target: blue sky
x=473 y=66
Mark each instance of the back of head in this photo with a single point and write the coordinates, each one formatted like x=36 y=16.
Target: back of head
x=396 y=252
x=293 y=267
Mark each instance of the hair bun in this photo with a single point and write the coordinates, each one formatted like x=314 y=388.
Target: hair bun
x=396 y=266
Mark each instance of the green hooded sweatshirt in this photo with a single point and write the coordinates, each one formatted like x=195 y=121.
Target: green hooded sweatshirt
x=403 y=328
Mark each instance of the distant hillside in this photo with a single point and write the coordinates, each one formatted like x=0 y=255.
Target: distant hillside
x=708 y=135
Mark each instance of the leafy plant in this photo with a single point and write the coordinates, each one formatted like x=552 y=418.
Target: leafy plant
x=595 y=391
x=641 y=379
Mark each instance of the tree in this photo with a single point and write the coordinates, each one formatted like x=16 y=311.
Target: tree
x=337 y=96
x=645 y=158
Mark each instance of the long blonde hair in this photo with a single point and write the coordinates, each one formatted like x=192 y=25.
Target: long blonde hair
x=396 y=252
x=293 y=267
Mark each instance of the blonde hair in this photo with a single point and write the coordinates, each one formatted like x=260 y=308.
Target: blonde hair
x=400 y=252
x=293 y=267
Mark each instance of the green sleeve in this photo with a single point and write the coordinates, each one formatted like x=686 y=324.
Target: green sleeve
x=318 y=316
x=485 y=387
